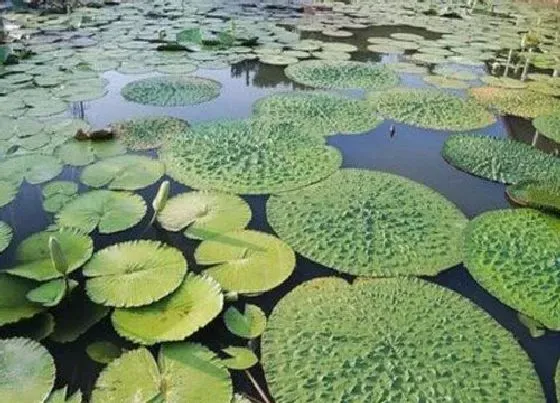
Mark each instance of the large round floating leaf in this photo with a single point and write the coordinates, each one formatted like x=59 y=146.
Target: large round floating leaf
x=5 y=236
x=500 y=160
x=83 y=152
x=538 y=194
x=517 y=102
x=246 y=261
x=104 y=209
x=124 y=172
x=34 y=169
x=184 y=372
x=192 y=306
x=249 y=156
x=548 y=126
x=390 y=340
x=319 y=113
x=146 y=133
x=515 y=255
x=27 y=371
x=33 y=258
x=134 y=273
x=342 y=74
x=370 y=223
x=171 y=91
x=204 y=214
x=431 y=109
x=14 y=306
x=249 y=324
x=8 y=192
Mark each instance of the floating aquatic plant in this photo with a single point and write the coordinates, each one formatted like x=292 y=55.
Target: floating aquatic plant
x=514 y=254
x=204 y=214
x=34 y=169
x=57 y=194
x=342 y=74
x=247 y=324
x=134 y=273
x=240 y=358
x=431 y=109
x=538 y=194
x=171 y=91
x=5 y=236
x=249 y=156
x=14 y=306
x=84 y=152
x=500 y=160
x=548 y=126
x=246 y=261
x=106 y=210
x=103 y=352
x=146 y=133
x=25 y=361
x=61 y=396
x=8 y=192
x=446 y=82
x=319 y=113
x=370 y=223
x=517 y=102
x=389 y=340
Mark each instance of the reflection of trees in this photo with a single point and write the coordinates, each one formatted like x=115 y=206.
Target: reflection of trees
x=261 y=75
x=78 y=109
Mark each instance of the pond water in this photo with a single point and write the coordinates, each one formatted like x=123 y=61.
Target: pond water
x=392 y=147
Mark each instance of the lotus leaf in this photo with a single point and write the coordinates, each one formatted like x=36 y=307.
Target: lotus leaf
x=171 y=91
x=204 y=214
x=34 y=169
x=192 y=306
x=249 y=156
x=57 y=194
x=184 y=372
x=146 y=133
x=241 y=358
x=246 y=261
x=24 y=361
x=134 y=273
x=342 y=74
x=542 y=194
x=103 y=352
x=523 y=103
x=278 y=60
x=14 y=306
x=5 y=236
x=74 y=316
x=249 y=324
x=104 y=209
x=332 y=56
x=430 y=109
x=319 y=113
x=61 y=396
x=388 y=340
x=548 y=126
x=80 y=153
x=51 y=293
x=37 y=327
x=500 y=160
x=8 y=192
x=370 y=223
x=514 y=254
x=124 y=172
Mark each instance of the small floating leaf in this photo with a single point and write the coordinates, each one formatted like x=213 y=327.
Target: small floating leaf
x=57 y=194
x=14 y=305
x=51 y=292
x=134 y=273
x=103 y=352
x=249 y=324
x=241 y=358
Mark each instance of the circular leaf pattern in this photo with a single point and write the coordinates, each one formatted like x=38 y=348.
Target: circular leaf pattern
x=516 y=102
x=249 y=324
x=370 y=223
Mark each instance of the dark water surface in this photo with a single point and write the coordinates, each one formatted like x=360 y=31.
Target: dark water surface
x=412 y=152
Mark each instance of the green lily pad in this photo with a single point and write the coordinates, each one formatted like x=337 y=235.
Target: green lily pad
x=503 y=82
x=103 y=352
x=249 y=324
x=446 y=82
x=8 y=192
x=277 y=60
x=370 y=223
x=25 y=360
x=501 y=160
x=342 y=74
x=37 y=327
x=34 y=169
x=535 y=328
x=430 y=109
x=249 y=156
x=319 y=113
x=185 y=372
x=104 y=209
x=171 y=91
x=204 y=214
x=57 y=194
x=124 y=172
x=538 y=194
x=241 y=358
x=548 y=126
x=514 y=254
x=5 y=236
x=134 y=273
x=246 y=261
x=22 y=127
x=51 y=293
x=33 y=258
x=14 y=306
x=146 y=133
x=390 y=340
x=80 y=153
x=61 y=396
x=196 y=302
x=523 y=103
